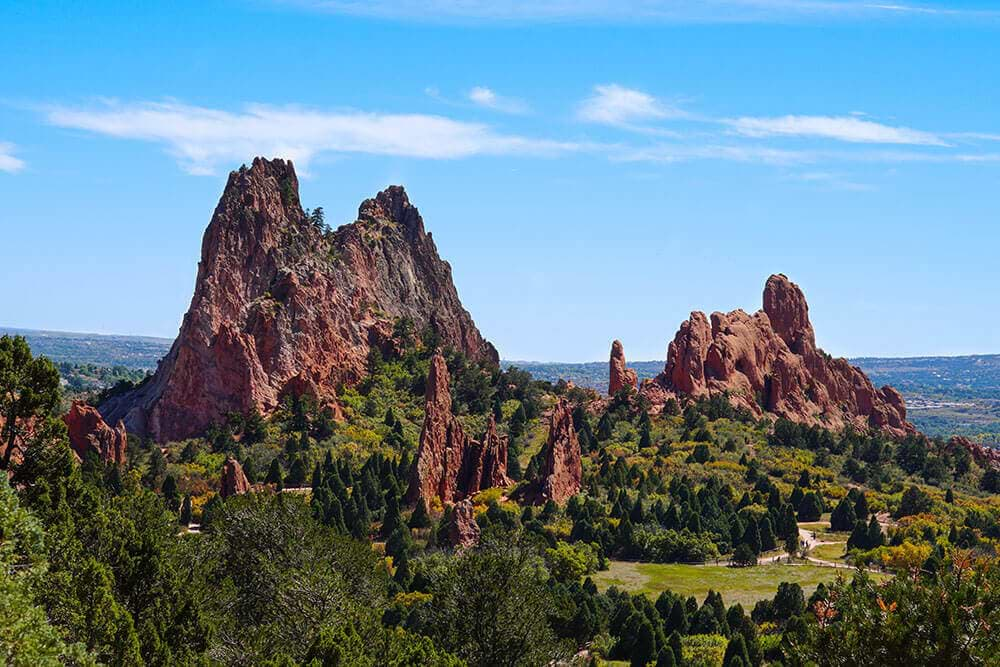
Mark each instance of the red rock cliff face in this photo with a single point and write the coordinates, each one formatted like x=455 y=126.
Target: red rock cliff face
x=450 y=465
x=770 y=364
x=562 y=472
x=88 y=432
x=620 y=376
x=280 y=308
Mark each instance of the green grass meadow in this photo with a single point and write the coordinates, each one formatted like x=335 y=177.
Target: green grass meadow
x=743 y=585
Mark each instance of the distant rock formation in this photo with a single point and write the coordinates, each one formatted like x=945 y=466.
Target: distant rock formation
x=463 y=531
x=562 y=471
x=769 y=364
x=620 y=376
x=984 y=456
x=282 y=306
x=88 y=432
x=449 y=465
x=234 y=481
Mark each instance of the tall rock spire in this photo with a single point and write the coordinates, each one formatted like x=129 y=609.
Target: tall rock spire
x=283 y=306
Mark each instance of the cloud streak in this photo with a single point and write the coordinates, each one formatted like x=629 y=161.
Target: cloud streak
x=840 y=128
x=9 y=163
x=631 y=11
x=202 y=138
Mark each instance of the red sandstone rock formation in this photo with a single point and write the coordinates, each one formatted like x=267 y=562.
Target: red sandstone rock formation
x=281 y=307
x=494 y=458
x=769 y=364
x=620 y=376
x=88 y=432
x=463 y=531
x=562 y=471
x=450 y=465
x=233 y=482
x=987 y=457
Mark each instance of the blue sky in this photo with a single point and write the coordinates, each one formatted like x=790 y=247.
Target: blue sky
x=591 y=170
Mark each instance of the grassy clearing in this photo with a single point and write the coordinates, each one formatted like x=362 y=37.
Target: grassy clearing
x=743 y=585
x=831 y=552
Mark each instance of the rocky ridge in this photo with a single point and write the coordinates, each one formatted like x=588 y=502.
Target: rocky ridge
x=769 y=364
x=283 y=306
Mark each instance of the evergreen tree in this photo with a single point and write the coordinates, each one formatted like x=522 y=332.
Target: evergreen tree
x=170 y=495
x=420 y=517
x=843 y=517
x=274 y=474
x=736 y=653
x=767 y=541
x=644 y=648
x=297 y=473
x=861 y=508
x=186 y=511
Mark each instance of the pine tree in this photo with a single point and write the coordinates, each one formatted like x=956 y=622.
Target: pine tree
x=186 y=511
x=736 y=653
x=170 y=493
x=843 y=517
x=274 y=474
x=393 y=519
x=861 y=508
x=420 y=517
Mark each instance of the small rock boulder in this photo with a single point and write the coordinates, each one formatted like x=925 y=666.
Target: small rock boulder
x=463 y=531
x=234 y=481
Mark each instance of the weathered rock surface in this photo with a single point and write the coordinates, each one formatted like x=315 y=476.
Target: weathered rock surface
x=769 y=364
x=620 y=376
x=562 y=471
x=450 y=465
x=88 y=432
x=234 y=481
x=463 y=531
x=281 y=307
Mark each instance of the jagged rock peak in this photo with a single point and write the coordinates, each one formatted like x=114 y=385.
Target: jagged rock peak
x=769 y=364
x=562 y=470
x=620 y=376
x=392 y=204
x=233 y=481
x=88 y=432
x=281 y=306
x=449 y=465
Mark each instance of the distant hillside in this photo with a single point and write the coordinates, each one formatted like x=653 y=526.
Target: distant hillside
x=944 y=395
x=133 y=352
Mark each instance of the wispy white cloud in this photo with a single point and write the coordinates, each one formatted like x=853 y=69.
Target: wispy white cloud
x=629 y=108
x=488 y=98
x=8 y=162
x=202 y=138
x=631 y=11
x=840 y=128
